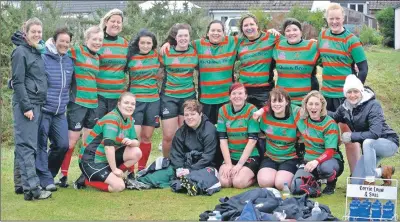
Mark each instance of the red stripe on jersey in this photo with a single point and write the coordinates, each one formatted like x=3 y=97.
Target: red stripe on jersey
x=216 y=95
x=87 y=89
x=333 y=51
x=213 y=82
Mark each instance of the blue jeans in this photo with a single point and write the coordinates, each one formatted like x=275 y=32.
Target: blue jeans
x=55 y=128
x=373 y=152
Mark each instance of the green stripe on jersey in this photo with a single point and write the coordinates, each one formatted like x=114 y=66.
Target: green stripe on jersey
x=86 y=69
x=179 y=68
x=238 y=126
x=112 y=126
x=319 y=136
x=294 y=64
x=111 y=79
x=216 y=63
x=142 y=71
x=281 y=135
x=255 y=60
x=338 y=53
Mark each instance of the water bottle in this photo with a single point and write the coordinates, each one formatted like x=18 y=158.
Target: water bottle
x=285 y=191
x=316 y=210
x=218 y=215
x=376 y=210
x=354 y=208
x=365 y=210
x=212 y=217
x=388 y=210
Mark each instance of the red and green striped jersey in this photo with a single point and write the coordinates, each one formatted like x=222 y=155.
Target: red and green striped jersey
x=338 y=53
x=216 y=64
x=142 y=71
x=294 y=64
x=255 y=60
x=238 y=125
x=281 y=135
x=319 y=136
x=178 y=68
x=86 y=68
x=111 y=127
x=111 y=79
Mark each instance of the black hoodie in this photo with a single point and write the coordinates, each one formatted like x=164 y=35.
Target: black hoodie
x=28 y=75
x=194 y=149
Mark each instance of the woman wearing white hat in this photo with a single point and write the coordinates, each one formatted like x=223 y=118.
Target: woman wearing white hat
x=364 y=115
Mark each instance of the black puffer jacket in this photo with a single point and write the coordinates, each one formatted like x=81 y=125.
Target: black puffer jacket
x=194 y=149
x=366 y=120
x=29 y=78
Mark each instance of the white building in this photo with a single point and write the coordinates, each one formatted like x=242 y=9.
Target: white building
x=397 y=28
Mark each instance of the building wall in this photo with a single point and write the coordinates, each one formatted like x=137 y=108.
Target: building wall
x=397 y=29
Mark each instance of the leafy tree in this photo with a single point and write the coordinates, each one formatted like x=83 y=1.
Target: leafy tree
x=385 y=19
x=306 y=18
x=370 y=36
x=263 y=18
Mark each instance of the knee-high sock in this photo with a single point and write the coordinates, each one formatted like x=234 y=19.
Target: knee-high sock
x=66 y=162
x=97 y=184
x=332 y=177
x=146 y=149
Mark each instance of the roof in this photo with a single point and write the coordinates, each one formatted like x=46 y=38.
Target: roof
x=377 y=5
x=71 y=7
x=245 y=5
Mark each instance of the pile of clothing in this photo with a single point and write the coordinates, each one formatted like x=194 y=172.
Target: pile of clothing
x=265 y=204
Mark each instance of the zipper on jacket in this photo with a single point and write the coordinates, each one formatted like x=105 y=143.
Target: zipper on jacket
x=62 y=85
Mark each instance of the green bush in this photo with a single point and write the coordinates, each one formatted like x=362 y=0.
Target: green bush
x=370 y=36
x=385 y=19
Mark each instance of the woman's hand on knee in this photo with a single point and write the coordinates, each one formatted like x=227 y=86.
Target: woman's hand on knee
x=310 y=166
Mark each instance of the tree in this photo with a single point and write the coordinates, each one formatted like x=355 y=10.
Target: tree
x=307 y=18
x=385 y=19
x=263 y=18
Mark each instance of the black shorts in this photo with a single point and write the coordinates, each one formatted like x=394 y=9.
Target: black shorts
x=79 y=117
x=105 y=105
x=172 y=107
x=252 y=163
x=100 y=171
x=258 y=96
x=211 y=111
x=287 y=165
x=147 y=114
x=333 y=103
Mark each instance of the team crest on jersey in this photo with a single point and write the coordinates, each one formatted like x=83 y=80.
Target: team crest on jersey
x=297 y=55
x=284 y=133
x=306 y=132
x=326 y=45
x=89 y=61
x=269 y=130
x=139 y=63
x=228 y=124
x=282 y=55
x=241 y=123
x=245 y=49
x=175 y=61
x=208 y=51
x=107 y=51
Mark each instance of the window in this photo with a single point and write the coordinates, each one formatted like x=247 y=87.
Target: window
x=357 y=7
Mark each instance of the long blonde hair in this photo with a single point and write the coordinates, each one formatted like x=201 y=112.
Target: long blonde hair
x=304 y=112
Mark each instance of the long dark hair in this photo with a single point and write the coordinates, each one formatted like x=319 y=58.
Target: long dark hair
x=279 y=94
x=134 y=43
x=173 y=31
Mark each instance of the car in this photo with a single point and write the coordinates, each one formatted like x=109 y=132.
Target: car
x=232 y=26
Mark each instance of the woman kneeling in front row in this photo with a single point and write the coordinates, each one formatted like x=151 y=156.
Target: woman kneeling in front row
x=321 y=136
x=238 y=133
x=111 y=149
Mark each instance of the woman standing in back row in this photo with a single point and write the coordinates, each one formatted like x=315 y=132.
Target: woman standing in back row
x=81 y=110
x=111 y=79
x=143 y=67
x=178 y=63
x=340 y=50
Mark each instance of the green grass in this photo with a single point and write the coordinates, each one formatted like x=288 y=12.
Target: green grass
x=90 y=204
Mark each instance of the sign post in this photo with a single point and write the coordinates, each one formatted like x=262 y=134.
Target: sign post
x=373 y=192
